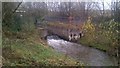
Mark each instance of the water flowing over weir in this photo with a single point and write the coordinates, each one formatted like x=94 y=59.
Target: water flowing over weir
x=87 y=55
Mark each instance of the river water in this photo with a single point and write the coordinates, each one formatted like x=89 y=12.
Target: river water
x=87 y=55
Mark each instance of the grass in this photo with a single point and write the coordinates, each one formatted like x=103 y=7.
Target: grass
x=31 y=52
x=66 y=25
x=101 y=43
x=94 y=44
x=104 y=36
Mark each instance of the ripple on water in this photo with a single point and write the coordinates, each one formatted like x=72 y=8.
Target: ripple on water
x=88 y=55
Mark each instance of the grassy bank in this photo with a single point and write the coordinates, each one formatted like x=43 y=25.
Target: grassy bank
x=103 y=36
x=32 y=51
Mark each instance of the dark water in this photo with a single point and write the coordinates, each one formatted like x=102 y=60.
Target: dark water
x=87 y=55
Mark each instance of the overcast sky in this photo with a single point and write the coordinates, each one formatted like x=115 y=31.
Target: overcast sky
x=107 y=3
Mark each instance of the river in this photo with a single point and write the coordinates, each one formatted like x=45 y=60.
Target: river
x=89 y=56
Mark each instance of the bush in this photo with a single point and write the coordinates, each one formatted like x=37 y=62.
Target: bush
x=103 y=36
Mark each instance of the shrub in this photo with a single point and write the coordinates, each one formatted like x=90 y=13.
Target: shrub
x=103 y=36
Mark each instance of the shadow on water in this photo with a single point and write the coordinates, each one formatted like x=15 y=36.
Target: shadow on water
x=87 y=55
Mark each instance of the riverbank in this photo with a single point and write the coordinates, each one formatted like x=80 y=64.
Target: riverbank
x=32 y=51
x=89 y=56
x=102 y=36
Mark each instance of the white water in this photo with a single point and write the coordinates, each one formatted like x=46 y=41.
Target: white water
x=87 y=55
